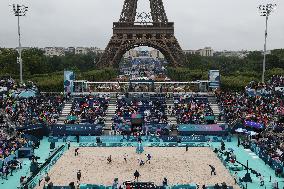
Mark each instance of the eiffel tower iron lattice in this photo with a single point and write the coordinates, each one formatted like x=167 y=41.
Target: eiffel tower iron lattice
x=128 y=34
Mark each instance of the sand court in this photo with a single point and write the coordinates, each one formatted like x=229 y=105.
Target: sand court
x=174 y=163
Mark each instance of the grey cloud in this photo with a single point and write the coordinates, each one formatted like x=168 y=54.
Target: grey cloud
x=221 y=24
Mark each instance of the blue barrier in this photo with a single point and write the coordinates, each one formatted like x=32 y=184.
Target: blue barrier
x=31 y=127
x=7 y=159
x=120 y=138
x=273 y=163
x=81 y=129
x=132 y=144
x=94 y=186
x=33 y=181
x=193 y=129
x=25 y=152
x=187 y=186
x=184 y=138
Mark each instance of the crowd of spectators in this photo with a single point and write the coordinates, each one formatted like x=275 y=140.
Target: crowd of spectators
x=189 y=109
x=151 y=110
x=259 y=109
x=28 y=110
x=145 y=67
x=277 y=81
x=9 y=87
x=41 y=109
x=8 y=158
x=9 y=146
x=272 y=145
x=6 y=131
x=6 y=84
x=88 y=109
x=259 y=103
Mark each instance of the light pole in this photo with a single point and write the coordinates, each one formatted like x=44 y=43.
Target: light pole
x=20 y=10
x=265 y=10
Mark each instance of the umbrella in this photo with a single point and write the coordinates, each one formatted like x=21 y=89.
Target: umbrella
x=252 y=133
x=14 y=94
x=240 y=130
x=27 y=94
x=3 y=89
x=72 y=118
x=231 y=149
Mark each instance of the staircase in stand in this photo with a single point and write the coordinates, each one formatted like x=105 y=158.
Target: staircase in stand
x=215 y=107
x=172 y=120
x=65 y=112
x=109 y=114
x=7 y=124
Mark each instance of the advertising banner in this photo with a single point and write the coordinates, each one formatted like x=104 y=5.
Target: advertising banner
x=214 y=78
x=69 y=78
x=86 y=129
x=253 y=124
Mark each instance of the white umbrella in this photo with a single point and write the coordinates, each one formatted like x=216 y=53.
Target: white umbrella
x=252 y=133
x=240 y=130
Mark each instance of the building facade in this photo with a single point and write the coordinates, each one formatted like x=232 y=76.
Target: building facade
x=131 y=54
x=70 y=50
x=239 y=54
x=207 y=51
x=54 y=51
x=82 y=50
x=156 y=54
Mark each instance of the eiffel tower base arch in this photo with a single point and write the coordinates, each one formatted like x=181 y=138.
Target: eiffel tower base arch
x=127 y=35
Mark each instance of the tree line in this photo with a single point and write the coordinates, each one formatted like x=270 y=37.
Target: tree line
x=235 y=72
x=47 y=72
x=35 y=62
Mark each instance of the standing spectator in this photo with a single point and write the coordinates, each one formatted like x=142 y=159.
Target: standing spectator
x=76 y=151
x=165 y=182
x=222 y=145
x=22 y=179
x=79 y=175
x=125 y=158
x=136 y=175
x=68 y=145
x=64 y=138
x=213 y=170
x=261 y=178
x=236 y=177
x=47 y=178
x=149 y=158
x=275 y=184
x=109 y=160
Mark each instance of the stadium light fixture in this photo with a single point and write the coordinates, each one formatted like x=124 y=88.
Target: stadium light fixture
x=265 y=10
x=20 y=10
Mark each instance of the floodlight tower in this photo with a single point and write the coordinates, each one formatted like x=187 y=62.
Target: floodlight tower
x=265 y=10
x=20 y=10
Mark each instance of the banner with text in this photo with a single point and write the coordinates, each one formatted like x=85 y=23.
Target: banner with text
x=214 y=78
x=69 y=78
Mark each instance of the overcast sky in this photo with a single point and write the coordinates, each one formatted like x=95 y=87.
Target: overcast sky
x=221 y=24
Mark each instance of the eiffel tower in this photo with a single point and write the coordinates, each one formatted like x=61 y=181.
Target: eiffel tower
x=150 y=29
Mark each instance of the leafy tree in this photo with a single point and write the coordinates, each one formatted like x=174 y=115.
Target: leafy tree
x=47 y=72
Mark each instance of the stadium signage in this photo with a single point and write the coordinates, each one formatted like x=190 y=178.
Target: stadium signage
x=183 y=138
x=77 y=129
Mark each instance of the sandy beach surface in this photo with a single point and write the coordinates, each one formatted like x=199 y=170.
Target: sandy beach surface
x=177 y=165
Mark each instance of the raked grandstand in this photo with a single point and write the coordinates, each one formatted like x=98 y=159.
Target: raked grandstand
x=143 y=113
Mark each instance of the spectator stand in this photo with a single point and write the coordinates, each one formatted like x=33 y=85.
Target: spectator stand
x=143 y=113
x=190 y=109
x=88 y=109
x=147 y=185
x=36 y=177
